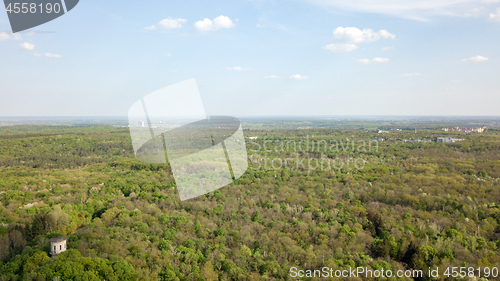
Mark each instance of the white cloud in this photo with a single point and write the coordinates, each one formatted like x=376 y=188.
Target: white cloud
x=477 y=59
x=387 y=48
x=223 y=22
x=380 y=60
x=27 y=46
x=355 y=35
x=271 y=77
x=375 y=60
x=169 y=55
x=49 y=55
x=495 y=17
x=298 y=77
x=259 y=25
x=237 y=68
x=410 y=74
x=218 y=23
x=491 y=1
x=4 y=36
x=168 y=23
x=340 y=48
x=203 y=25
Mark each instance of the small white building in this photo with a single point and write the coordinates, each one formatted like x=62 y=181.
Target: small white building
x=448 y=140
x=57 y=245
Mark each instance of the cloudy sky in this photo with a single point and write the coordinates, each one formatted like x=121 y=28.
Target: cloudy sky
x=259 y=57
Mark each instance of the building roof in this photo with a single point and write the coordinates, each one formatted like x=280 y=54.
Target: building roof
x=58 y=239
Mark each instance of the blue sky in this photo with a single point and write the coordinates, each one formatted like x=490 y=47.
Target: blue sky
x=259 y=57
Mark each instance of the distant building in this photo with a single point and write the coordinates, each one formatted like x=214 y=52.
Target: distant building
x=448 y=140
x=141 y=123
x=253 y=138
x=465 y=130
x=57 y=245
x=382 y=132
x=417 y=140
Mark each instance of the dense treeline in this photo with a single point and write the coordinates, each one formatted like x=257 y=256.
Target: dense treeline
x=411 y=205
x=86 y=146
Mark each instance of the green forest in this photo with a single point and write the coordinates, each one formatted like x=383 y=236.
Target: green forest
x=404 y=205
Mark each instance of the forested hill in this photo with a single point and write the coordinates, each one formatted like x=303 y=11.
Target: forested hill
x=406 y=205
